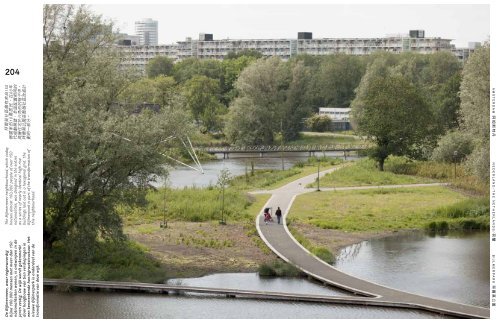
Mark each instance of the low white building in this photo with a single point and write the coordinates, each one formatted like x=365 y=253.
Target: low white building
x=340 y=117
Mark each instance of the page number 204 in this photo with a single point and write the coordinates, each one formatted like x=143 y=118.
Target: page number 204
x=11 y=71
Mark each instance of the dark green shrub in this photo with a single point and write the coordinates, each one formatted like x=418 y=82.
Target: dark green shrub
x=278 y=268
x=323 y=254
x=319 y=123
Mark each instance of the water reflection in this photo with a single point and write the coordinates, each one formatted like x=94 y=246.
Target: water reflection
x=349 y=252
x=252 y=281
x=135 y=306
x=453 y=267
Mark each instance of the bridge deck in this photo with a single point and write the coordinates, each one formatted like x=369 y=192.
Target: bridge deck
x=231 y=293
x=279 y=239
x=291 y=148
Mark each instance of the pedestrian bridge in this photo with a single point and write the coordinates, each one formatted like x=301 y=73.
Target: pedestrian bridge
x=263 y=149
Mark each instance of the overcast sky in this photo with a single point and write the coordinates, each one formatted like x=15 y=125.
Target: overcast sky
x=462 y=23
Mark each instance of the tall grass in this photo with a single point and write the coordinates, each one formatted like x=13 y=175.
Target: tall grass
x=319 y=251
x=364 y=173
x=127 y=261
x=468 y=208
x=189 y=204
x=472 y=184
x=439 y=171
x=429 y=169
x=470 y=214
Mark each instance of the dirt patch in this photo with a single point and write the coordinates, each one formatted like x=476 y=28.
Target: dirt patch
x=188 y=249
x=335 y=240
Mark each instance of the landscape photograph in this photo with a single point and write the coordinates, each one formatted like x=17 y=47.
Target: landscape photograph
x=254 y=161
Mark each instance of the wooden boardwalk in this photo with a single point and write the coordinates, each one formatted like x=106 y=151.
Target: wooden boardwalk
x=94 y=285
x=281 y=242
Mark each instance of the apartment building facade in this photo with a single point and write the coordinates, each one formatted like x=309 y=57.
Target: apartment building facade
x=205 y=47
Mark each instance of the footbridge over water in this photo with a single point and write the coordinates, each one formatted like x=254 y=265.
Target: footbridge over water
x=263 y=149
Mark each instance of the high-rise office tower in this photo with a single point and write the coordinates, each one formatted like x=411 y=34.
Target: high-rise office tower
x=147 y=30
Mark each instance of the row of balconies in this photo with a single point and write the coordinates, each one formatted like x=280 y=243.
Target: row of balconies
x=282 y=51
x=141 y=58
x=146 y=55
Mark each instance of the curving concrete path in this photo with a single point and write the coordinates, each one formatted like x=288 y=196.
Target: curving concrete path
x=282 y=243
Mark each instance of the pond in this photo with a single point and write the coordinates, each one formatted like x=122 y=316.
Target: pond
x=183 y=176
x=453 y=267
x=129 y=306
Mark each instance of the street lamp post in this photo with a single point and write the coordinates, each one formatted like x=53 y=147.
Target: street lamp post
x=164 y=225
x=455 y=154
x=319 y=161
x=222 y=220
x=281 y=132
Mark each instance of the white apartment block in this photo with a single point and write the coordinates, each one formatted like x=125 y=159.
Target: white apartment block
x=207 y=48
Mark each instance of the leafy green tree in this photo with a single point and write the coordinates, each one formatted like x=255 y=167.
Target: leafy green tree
x=319 y=123
x=232 y=70
x=166 y=90
x=190 y=67
x=161 y=90
x=296 y=106
x=138 y=92
x=248 y=124
x=270 y=94
x=447 y=104
x=453 y=141
x=261 y=89
x=390 y=111
x=222 y=181
x=200 y=93
x=270 y=100
x=336 y=79
x=95 y=153
x=160 y=66
x=440 y=83
x=72 y=37
x=244 y=53
x=475 y=109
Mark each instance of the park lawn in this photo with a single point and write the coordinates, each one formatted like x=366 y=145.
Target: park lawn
x=193 y=205
x=365 y=173
x=264 y=179
x=272 y=179
x=306 y=170
x=375 y=209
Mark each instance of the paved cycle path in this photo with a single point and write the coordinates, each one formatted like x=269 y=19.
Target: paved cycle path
x=281 y=242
